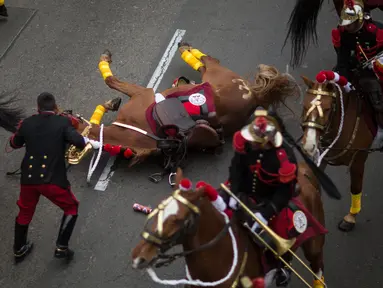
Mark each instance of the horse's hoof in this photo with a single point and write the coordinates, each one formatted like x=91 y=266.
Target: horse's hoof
x=183 y=44
x=346 y=226
x=107 y=53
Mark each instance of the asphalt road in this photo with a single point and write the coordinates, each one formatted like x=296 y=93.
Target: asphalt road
x=58 y=52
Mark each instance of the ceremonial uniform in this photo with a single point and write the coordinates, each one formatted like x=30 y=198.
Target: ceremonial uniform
x=265 y=170
x=354 y=46
x=43 y=172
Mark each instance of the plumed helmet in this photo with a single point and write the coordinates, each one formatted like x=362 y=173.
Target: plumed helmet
x=353 y=10
x=264 y=129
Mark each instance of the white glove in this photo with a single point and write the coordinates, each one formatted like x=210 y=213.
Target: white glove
x=233 y=204
x=95 y=144
x=256 y=225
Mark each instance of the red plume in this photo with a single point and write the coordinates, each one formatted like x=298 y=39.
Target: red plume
x=185 y=185
x=261 y=123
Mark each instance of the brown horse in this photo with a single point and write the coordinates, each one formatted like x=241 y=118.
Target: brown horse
x=322 y=118
x=229 y=102
x=189 y=219
x=303 y=21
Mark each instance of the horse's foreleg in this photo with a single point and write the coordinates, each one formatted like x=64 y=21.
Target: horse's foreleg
x=112 y=81
x=313 y=251
x=356 y=176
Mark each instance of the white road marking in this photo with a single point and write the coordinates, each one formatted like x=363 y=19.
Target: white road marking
x=154 y=82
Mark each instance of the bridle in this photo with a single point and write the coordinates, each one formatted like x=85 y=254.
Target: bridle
x=316 y=103
x=188 y=227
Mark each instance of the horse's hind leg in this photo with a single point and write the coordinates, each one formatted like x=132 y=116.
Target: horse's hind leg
x=313 y=251
x=112 y=81
x=356 y=176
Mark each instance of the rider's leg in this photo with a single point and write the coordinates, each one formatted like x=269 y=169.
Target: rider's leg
x=372 y=89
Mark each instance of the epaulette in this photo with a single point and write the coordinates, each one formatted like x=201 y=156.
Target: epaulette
x=239 y=142
x=371 y=28
x=335 y=36
x=287 y=170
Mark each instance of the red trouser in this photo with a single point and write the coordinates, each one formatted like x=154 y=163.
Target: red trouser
x=30 y=195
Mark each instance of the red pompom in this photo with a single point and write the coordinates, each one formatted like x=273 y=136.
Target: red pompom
x=321 y=77
x=330 y=75
x=128 y=153
x=239 y=142
x=210 y=191
x=115 y=150
x=258 y=283
x=342 y=81
x=261 y=123
x=107 y=147
x=185 y=185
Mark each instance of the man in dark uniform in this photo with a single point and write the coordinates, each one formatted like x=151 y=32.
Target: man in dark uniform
x=357 y=39
x=264 y=169
x=43 y=172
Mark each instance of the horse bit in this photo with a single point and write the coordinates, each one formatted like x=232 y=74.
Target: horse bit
x=164 y=244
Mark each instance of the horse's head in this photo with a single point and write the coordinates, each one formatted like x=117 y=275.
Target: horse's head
x=318 y=103
x=174 y=219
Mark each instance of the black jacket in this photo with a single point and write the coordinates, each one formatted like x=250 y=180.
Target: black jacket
x=45 y=136
x=349 y=56
x=271 y=192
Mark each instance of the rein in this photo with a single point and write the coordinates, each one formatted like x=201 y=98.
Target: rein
x=166 y=244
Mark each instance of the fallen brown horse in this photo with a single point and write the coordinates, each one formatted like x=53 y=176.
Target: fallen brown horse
x=349 y=131
x=303 y=21
x=197 y=116
x=188 y=218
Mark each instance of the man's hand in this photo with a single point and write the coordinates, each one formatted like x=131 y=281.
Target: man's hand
x=256 y=224
x=95 y=144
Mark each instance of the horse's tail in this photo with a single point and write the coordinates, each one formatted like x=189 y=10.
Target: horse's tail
x=271 y=88
x=302 y=28
x=10 y=117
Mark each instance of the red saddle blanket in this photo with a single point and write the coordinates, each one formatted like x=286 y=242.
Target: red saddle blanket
x=198 y=102
x=283 y=225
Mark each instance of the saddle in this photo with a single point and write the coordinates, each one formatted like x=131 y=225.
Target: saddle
x=171 y=112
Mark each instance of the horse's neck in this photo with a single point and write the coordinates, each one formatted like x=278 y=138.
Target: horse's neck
x=203 y=264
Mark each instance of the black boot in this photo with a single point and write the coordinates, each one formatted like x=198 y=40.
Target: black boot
x=3 y=11
x=66 y=228
x=21 y=247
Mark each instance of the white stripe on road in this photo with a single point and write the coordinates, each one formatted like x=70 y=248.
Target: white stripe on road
x=154 y=82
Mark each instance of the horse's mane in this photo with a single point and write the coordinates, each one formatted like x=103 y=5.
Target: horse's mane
x=10 y=116
x=270 y=87
x=302 y=28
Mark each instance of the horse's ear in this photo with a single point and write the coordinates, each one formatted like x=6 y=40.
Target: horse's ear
x=179 y=176
x=309 y=83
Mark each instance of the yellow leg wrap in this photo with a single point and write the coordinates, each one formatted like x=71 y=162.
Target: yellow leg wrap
x=197 y=54
x=318 y=284
x=191 y=60
x=356 y=204
x=97 y=115
x=104 y=69
x=1 y=2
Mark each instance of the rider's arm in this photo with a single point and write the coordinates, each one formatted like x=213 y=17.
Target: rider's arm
x=343 y=54
x=17 y=140
x=280 y=200
x=72 y=136
x=238 y=165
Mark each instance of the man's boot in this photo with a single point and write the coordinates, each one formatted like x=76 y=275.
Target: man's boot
x=3 y=11
x=66 y=228
x=21 y=247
